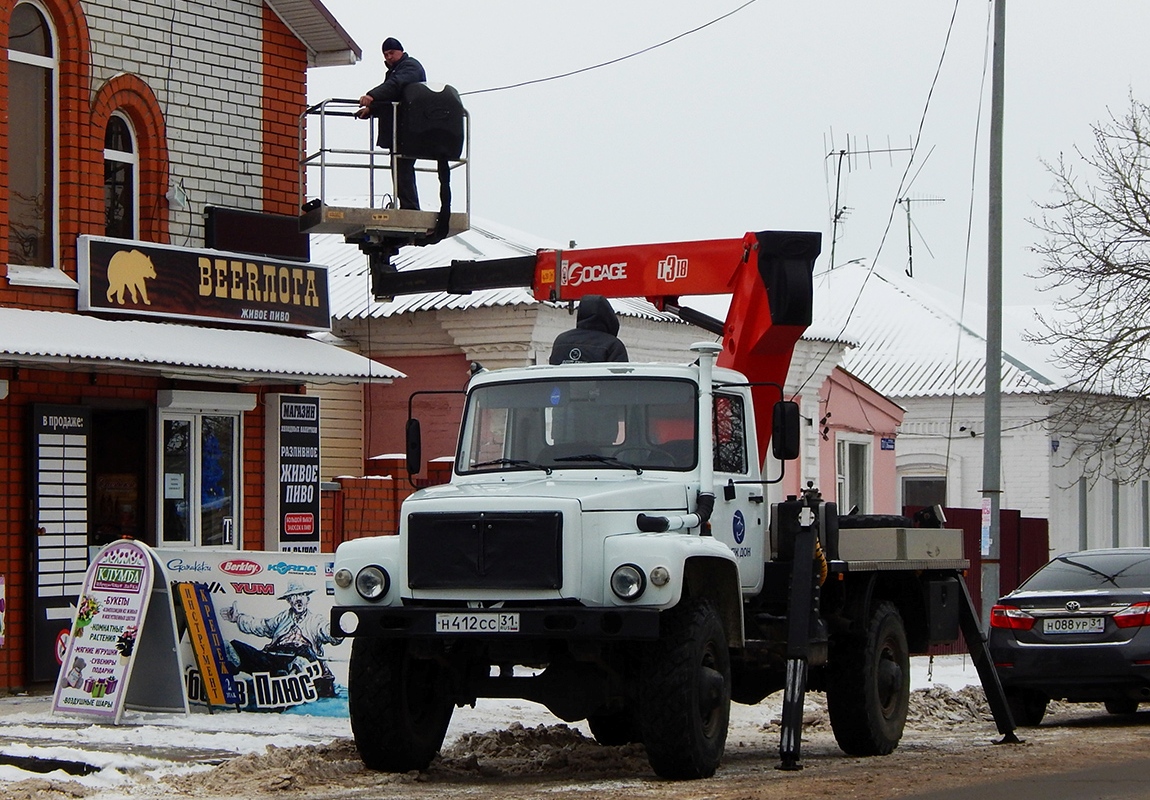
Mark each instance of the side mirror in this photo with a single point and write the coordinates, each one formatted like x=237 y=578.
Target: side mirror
x=785 y=430
x=414 y=442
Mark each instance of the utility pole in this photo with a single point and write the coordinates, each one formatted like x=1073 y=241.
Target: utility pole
x=992 y=441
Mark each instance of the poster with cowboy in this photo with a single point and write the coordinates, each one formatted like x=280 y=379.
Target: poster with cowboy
x=273 y=614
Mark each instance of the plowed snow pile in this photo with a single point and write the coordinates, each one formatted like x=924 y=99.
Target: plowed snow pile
x=556 y=751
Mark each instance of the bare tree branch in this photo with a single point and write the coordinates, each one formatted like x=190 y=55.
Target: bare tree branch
x=1096 y=252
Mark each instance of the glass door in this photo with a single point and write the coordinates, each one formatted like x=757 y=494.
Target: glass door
x=199 y=479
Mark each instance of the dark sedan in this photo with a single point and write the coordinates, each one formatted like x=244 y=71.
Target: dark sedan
x=1079 y=630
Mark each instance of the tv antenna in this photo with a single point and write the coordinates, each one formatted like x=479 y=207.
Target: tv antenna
x=907 y=202
x=849 y=154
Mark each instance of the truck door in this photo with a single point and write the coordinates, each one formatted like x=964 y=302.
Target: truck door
x=738 y=522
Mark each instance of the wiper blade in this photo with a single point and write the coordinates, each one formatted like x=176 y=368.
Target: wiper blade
x=1088 y=568
x=512 y=462
x=610 y=461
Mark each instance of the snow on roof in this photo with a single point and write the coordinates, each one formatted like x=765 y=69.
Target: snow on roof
x=914 y=340
x=349 y=279
x=79 y=341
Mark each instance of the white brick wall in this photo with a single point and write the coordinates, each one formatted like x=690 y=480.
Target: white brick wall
x=1035 y=478
x=202 y=60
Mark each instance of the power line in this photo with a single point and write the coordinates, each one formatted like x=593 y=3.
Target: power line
x=901 y=188
x=614 y=60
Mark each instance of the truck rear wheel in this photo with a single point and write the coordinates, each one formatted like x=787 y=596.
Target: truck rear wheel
x=685 y=697
x=398 y=705
x=868 y=688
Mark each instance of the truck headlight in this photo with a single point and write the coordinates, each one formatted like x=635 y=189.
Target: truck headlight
x=628 y=582
x=372 y=582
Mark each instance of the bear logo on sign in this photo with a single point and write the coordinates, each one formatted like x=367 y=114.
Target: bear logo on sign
x=127 y=272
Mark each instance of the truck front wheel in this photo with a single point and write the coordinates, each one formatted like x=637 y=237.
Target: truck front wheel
x=868 y=688
x=398 y=705
x=685 y=694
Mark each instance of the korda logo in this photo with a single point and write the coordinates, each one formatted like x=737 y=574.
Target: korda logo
x=672 y=268
x=577 y=274
x=240 y=566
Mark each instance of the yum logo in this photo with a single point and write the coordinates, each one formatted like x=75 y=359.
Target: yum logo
x=254 y=588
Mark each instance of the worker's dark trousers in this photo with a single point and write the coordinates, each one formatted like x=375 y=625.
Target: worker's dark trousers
x=405 y=177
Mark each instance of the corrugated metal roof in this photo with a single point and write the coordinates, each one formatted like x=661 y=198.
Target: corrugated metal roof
x=916 y=341
x=78 y=341
x=349 y=279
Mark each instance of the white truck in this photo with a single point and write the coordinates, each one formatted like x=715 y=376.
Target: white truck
x=605 y=547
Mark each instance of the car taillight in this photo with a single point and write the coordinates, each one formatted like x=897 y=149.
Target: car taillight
x=1011 y=617
x=1133 y=616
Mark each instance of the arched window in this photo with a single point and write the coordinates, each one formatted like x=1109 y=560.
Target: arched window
x=121 y=192
x=31 y=142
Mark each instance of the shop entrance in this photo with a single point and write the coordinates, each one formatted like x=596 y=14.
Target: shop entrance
x=119 y=476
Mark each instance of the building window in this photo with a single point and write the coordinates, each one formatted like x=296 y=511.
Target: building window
x=31 y=142
x=924 y=491
x=730 y=434
x=121 y=192
x=852 y=466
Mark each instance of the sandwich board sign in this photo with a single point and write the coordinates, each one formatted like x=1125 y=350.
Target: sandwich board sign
x=124 y=620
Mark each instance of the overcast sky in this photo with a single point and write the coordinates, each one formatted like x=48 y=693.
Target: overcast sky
x=729 y=129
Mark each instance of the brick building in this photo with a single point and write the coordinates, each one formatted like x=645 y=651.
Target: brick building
x=154 y=317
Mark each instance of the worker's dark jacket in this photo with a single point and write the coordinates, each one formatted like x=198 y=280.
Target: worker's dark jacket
x=594 y=336
x=406 y=70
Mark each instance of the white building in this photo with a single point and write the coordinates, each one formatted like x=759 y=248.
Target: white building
x=918 y=347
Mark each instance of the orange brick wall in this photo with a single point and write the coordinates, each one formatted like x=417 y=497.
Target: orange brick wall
x=284 y=99
x=25 y=387
x=369 y=506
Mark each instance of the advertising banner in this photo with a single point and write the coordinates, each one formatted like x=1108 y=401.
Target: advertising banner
x=271 y=611
x=292 y=454
x=102 y=646
x=60 y=476
x=207 y=643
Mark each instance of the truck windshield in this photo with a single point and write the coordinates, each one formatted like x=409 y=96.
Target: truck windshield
x=581 y=423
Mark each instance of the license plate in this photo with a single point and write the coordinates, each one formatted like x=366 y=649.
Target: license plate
x=1074 y=625
x=487 y=622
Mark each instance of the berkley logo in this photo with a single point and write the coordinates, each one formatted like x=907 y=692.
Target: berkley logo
x=577 y=274
x=240 y=566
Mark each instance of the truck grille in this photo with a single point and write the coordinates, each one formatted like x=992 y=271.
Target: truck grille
x=489 y=550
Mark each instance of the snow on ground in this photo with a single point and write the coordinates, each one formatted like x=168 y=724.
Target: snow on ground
x=148 y=746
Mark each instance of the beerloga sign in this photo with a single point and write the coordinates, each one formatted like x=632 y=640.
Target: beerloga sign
x=121 y=276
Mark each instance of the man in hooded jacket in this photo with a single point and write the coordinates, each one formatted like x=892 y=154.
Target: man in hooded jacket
x=594 y=337
x=402 y=69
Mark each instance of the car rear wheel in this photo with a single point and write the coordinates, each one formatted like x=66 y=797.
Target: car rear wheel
x=1122 y=705
x=1027 y=706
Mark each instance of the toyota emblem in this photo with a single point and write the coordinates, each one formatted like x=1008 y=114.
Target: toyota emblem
x=1073 y=606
